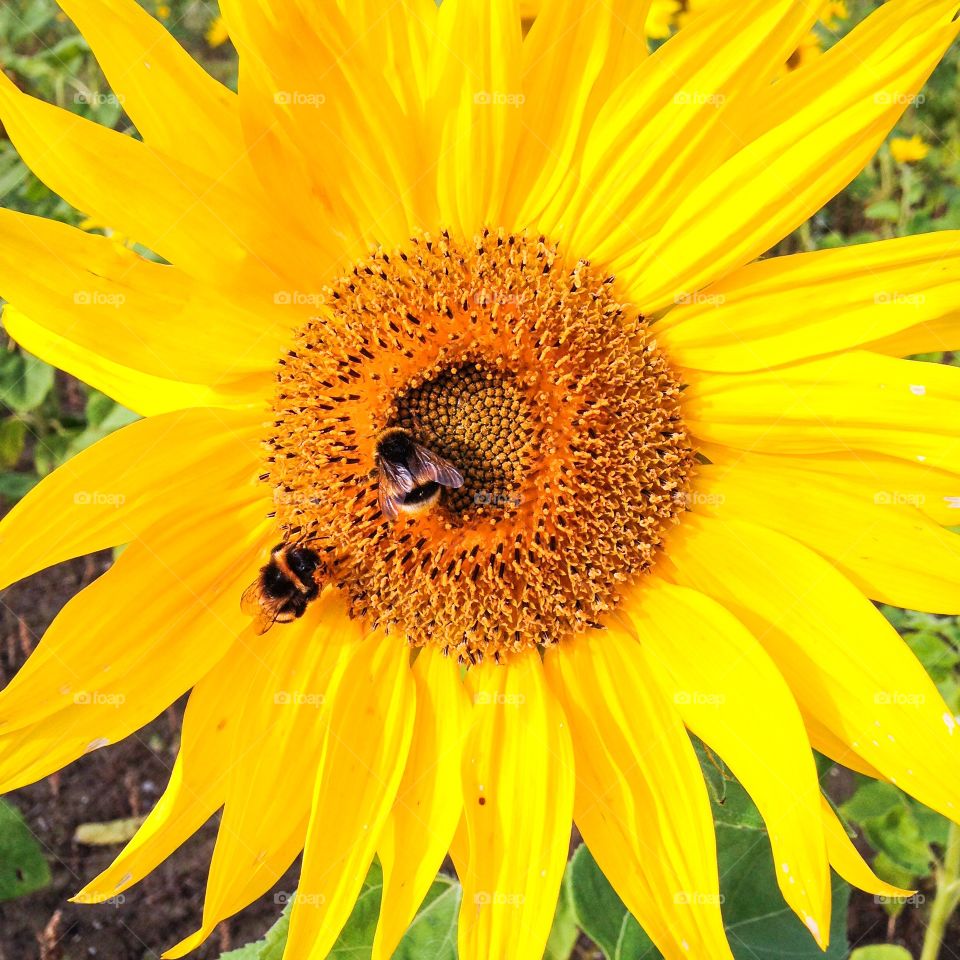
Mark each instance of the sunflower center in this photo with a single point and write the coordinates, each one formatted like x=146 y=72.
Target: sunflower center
x=548 y=398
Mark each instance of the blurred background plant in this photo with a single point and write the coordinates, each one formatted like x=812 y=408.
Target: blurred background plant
x=46 y=416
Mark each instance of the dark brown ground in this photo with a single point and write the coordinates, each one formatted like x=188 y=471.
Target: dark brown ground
x=125 y=781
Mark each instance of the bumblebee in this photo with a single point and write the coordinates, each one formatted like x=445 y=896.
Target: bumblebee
x=285 y=587
x=411 y=476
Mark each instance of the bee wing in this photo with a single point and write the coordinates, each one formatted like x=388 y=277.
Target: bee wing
x=396 y=481
x=262 y=610
x=427 y=467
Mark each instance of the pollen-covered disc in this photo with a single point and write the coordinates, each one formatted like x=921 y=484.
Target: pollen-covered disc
x=545 y=392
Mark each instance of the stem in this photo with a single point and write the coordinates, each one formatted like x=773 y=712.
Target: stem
x=948 y=895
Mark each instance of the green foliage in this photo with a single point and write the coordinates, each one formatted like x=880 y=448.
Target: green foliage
x=759 y=923
x=883 y=951
x=23 y=867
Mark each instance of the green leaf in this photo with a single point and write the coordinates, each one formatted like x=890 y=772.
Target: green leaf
x=13 y=435
x=23 y=867
x=25 y=381
x=882 y=951
x=883 y=210
x=564 y=932
x=14 y=486
x=890 y=825
x=432 y=934
x=270 y=947
x=759 y=923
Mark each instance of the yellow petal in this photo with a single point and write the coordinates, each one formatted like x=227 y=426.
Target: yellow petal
x=664 y=130
x=429 y=803
x=844 y=663
x=518 y=782
x=305 y=86
x=933 y=336
x=281 y=722
x=880 y=539
x=847 y=861
x=136 y=639
x=570 y=64
x=145 y=315
x=112 y=492
x=792 y=308
x=851 y=401
x=198 y=781
x=641 y=802
x=816 y=130
x=214 y=228
x=371 y=717
x=176 y=106
x=143 y=393
x=721 y=680
x=476 y=69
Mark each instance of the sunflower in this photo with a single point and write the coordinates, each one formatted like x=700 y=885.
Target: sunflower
x=683 y=473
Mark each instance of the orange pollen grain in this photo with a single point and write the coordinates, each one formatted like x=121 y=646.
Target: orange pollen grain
x=549 y=396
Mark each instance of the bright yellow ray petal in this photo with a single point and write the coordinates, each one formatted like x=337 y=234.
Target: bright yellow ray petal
x=572 y=57
x=281 y=725
x=800 y=151
x=881 y=540
x=664 y=129
x=845 y=664
x=197 y=785
x=518 y=782
x=212 y=228
x=133 y=641
x=371 y=718
x=721 y=680
x=846 y=402
x=141 y=392
x=113 y=491
x=476 y=71
x=305 y=85
x=641 y=802
x=138 y=313
x=176 y=106
x=934 y=336
x=847 y=861
x=786 y=309
x=429 y=803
